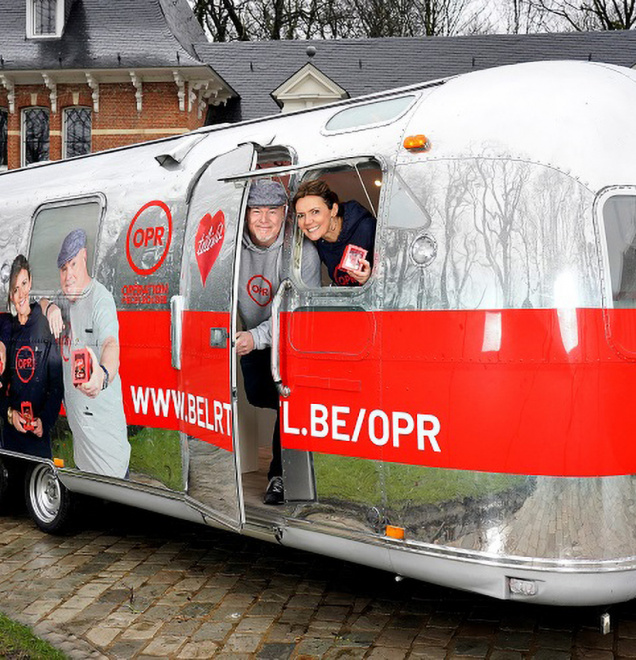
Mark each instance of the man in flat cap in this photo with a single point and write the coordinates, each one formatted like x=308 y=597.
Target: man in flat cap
x=261 y=273
x=94 y=409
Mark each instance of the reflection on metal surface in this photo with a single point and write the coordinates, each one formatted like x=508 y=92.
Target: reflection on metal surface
x=508 y=516
x=158 y=457
x=423 y=250
x=176 y=330
x=566 y=301
x=5 y=272
x=348 y=494
x=212 y=479
x=492 y=332
x=506 y=230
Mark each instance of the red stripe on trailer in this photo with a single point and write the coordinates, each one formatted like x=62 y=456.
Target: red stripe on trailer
x=538 y=392
x=195 y=399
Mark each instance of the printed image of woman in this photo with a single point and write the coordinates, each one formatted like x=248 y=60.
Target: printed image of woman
x=32 y=390
x=333 y=225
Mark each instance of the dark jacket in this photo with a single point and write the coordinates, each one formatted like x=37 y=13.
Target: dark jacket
x=358 y=228
x=33 y=373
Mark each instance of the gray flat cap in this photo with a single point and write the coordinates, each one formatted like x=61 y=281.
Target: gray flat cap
x=266 y=193
x=71 y=245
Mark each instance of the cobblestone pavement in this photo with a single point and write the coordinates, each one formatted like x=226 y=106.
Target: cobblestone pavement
x=137 y=585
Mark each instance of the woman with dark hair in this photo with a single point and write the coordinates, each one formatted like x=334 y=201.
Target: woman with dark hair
x=344 y=232
x=32 y=390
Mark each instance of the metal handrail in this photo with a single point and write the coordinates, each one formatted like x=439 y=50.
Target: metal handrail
x=283 y=390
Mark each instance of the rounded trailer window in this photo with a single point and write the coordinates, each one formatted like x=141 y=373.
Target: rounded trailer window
x=369 y=114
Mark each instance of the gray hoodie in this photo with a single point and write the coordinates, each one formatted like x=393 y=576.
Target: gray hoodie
x=261 y=273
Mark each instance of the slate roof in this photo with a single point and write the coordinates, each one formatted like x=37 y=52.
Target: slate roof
x=255 y=69
x=102 y=34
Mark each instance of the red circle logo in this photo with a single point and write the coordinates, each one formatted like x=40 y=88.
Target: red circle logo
x=25 y=363
x=148 y=238
x=260 y=290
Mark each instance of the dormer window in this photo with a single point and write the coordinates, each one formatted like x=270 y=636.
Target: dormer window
x=45 y=18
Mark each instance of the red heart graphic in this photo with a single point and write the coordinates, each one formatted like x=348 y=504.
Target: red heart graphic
x=208 y=242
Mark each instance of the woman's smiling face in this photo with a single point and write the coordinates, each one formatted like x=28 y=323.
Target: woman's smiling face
x=314 y=216
x=20 y=290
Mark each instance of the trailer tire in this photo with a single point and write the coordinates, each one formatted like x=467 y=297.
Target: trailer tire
x=49 y=502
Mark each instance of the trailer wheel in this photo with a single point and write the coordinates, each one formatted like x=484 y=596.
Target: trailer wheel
x=48 y=501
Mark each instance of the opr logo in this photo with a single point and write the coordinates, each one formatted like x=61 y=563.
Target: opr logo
x=25 y=363
x=149 y=236
x=260 y=290
x=152 y=235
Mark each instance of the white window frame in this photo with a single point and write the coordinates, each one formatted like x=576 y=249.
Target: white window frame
x=23 y=134
x=30 y=21
x=75 y=107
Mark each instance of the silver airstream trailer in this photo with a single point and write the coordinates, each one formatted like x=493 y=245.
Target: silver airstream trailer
x=463 y=418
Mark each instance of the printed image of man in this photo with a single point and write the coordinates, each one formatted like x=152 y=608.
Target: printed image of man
x=261 y=272
x=94 y=409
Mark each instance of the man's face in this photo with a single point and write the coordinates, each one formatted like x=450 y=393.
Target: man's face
x=264 y=223
x=74 y=275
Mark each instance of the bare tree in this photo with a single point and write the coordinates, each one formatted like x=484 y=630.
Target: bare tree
x=223 y=19
x=228 y=20
x=590 y=15
x=527 y=17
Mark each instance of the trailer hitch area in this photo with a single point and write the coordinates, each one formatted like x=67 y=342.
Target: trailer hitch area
x=605 y=623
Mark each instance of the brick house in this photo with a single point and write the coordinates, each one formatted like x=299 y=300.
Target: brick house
x=85 y=75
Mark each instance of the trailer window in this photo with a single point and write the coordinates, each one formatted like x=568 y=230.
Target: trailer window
x=619 y=217
x=358 y=191
x=50 y=226
x=369 y=114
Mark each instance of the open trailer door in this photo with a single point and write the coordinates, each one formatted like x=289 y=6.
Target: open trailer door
x=205 y=309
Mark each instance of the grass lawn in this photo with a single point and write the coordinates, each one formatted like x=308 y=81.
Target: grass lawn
x=157 y=453
x=363 y=482
x=154 y=452
x=19 y=643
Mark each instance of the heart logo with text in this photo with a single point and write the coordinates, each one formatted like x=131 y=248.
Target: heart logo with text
x=208 y=242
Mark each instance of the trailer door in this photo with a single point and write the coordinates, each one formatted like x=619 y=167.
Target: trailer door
x=205 y=358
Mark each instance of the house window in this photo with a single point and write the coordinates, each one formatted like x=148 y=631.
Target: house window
x=4 y=120
x=44 y=18
x=77 y=132
x=35 y=135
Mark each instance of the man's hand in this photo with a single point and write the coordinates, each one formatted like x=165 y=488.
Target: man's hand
x=94 y=385
x=54 y=317
x=244 y=343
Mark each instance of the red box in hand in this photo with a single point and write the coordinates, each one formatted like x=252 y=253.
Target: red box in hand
x=81 y=365
x=351 y=257
x=26 y=410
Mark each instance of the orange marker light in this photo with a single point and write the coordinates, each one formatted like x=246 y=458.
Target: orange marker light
x=394 y=532
x=417 y=143
x=58 y=462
